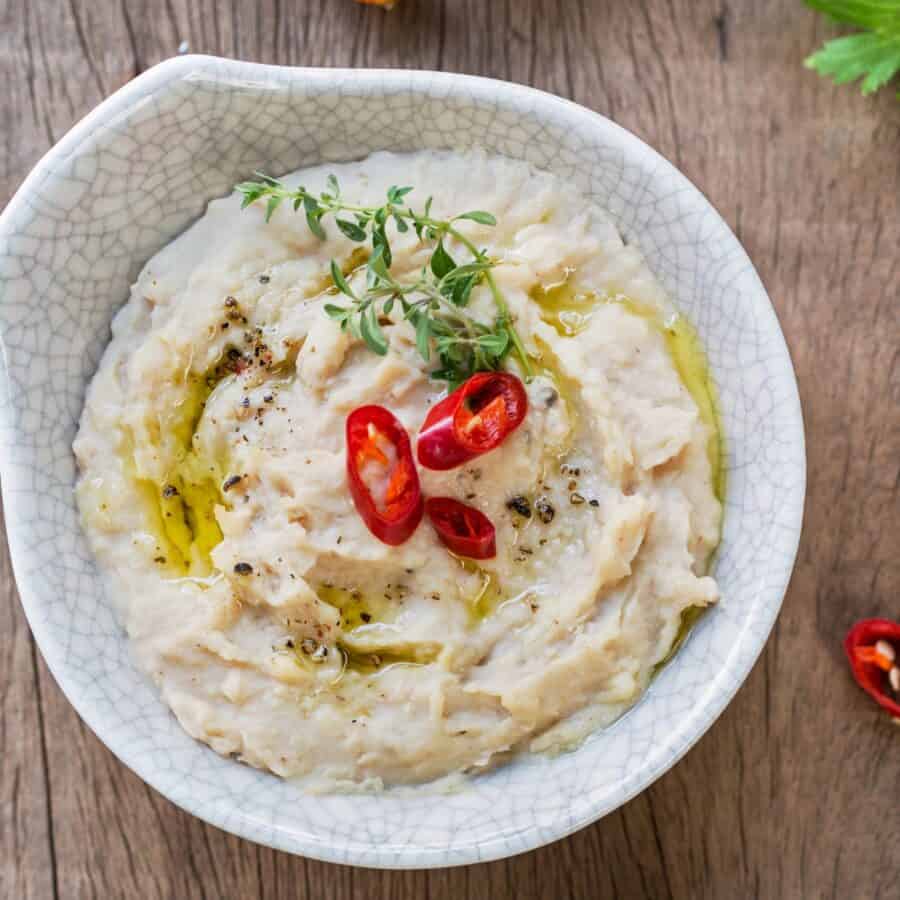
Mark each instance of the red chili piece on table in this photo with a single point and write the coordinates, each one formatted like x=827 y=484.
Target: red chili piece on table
x=383 y=480
x=873 y=647
x=477 y=417
x=464 y=529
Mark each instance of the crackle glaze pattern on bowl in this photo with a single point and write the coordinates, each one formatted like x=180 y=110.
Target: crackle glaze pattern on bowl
x=133 y=175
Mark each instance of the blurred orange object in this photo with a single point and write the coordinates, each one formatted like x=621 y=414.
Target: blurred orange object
x=387 y=4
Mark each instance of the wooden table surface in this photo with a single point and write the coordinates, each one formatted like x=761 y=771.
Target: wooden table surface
x=795 y=791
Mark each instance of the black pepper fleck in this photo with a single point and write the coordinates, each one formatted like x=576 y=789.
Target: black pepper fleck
x=264 y=279
x=170 y=491
x=520 y=505
x=231 y=481
x=594 y=502
x=365 y=617
x=544 y=509
x=243 y=568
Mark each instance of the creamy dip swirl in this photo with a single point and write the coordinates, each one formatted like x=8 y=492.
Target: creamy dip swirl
x=278 y=628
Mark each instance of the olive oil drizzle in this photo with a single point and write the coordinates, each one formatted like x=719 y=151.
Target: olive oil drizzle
x=182 y=507
x=568 y=309
x=563 y=301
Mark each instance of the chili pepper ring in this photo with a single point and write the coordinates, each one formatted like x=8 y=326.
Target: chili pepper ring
x=379 y=453
x=464 y=530
x=476 y=418
x=872 y=647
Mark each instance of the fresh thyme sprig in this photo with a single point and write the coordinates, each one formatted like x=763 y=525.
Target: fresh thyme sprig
x=434 y=303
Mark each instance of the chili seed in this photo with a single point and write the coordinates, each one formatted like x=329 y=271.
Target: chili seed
x=572 y=484
x=576 y=498
x=886 y=650
x=230 y=301
x=170 y=491
x=894 y=678
x=520 y=505
x=230 y=482
x=243 y=568
x=544 y=508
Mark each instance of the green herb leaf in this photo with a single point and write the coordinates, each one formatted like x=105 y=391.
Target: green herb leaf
x=313 y=215
x=336 y=312
x=337 y=276
x=353 y=231
x=332 y=183
x=494 y=343
x=483 y=218
x=462 y=289
x=380 y=244
x=873 y=55
x=441 y=261
x=378 y=265
x=371 y=332
x=423 y=333
x=272 y=204
x=396 y=194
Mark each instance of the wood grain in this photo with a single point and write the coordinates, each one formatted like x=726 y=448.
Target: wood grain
x=794 y=792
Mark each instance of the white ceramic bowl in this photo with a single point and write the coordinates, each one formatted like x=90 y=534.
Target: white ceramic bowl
x=138 y=170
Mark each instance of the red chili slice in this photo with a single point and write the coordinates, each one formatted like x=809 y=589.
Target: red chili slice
x=382 y=474
x=464 y=529
x=477 y=417
x=870 y=666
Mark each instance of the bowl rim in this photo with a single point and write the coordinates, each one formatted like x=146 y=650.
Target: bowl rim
x=359 y=853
